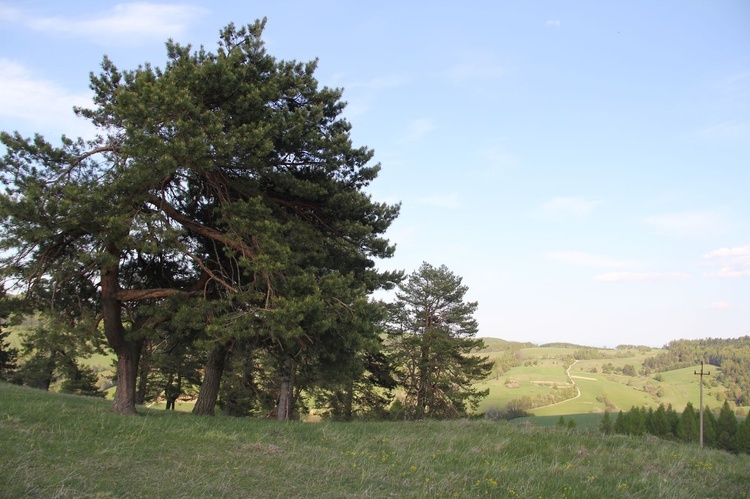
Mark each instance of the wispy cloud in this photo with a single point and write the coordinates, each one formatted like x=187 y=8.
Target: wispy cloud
x=567 y=207
x=730 y=262
x=440 y=201
x=38 y=102
x=719 y=305
x=641 y=276
x=554 y=23
x=8 y=13
x=125 y=22
x=688 y=223
x=418 y=129
x=583 y=259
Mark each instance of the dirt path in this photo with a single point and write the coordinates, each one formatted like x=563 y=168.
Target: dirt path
x=567 y=371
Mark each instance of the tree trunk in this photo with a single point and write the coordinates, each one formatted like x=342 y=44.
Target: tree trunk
x=48 y=372
x=423 y=398
x=127 y=375
x=209 y=391
x=286 y=391
x=127 y=350
x=144 y=366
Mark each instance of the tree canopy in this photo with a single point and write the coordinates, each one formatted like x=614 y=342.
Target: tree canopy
x=223 y=195
x=432 y=333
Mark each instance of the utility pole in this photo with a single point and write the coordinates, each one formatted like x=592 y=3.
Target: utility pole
x=701 y=374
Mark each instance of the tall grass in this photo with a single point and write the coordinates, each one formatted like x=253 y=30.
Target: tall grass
x=54 y=445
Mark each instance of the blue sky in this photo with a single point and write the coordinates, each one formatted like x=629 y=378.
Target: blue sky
x=583 y=165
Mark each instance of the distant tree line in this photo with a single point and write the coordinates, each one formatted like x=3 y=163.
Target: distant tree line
x=721 y=432
x=732 y=356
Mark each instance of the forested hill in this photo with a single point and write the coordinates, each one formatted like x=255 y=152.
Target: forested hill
x=732 y=356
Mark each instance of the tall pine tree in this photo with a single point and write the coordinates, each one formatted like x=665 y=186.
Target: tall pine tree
x=432 y=335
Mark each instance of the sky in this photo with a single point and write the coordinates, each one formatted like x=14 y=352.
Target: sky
x=584 y=166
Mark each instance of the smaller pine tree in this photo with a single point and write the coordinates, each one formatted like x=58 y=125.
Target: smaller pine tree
x=726 y=428
x=742 y=439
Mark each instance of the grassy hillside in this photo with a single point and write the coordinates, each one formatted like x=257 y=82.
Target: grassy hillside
x=66 y=446
x=542 y=371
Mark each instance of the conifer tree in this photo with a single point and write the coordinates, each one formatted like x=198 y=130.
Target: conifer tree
x=687 y=428
x=743 y=436
x=726 y=428
x=217 y=184
x=432 y=335
x=710 y=437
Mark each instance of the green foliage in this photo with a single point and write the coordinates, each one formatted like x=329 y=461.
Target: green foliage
x=224 y=183
x=432 y=336
x=688 y=429
x=731 y=355
x=8 y=354
x=726 y=429
x=81 y=380
x=724 y=434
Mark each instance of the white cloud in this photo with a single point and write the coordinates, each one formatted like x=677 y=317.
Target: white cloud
x=9 y=13
x=418 y=129
x=731 y=262
x=588 y=260
x=554 y=23
x=719 y=305
x=566 y=207
x=445 y=201
x=641 y=276
x=125 y=22
x=688 y=224
x=41 y=104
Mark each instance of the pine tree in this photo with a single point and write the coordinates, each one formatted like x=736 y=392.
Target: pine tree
x=710 y=437
x=726 y=428
x=432 y=337
x=743 y=436
x=218 y=184
x=688 y=426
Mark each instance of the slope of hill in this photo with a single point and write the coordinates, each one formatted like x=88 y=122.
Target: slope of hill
x=70 y=446
x=568 y=379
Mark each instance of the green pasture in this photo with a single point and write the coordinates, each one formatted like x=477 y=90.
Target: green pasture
x=64 y=446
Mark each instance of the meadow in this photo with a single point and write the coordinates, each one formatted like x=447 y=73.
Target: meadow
x=544 y=367
x=55 y=445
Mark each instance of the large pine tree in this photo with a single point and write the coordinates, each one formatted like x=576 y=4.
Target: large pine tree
x=218 y=184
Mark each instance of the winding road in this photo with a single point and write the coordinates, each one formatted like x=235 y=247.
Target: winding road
x=578 y=390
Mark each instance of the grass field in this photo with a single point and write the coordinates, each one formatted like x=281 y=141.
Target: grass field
x=541 y=364
x=54 y=445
